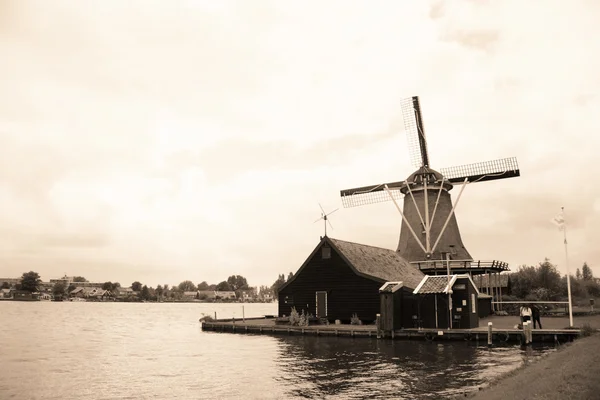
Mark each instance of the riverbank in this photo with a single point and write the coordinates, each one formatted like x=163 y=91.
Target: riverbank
x=569 y=373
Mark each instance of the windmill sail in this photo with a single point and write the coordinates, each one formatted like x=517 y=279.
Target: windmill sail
x=415 y=132
x=370 y=194
x=483 y=171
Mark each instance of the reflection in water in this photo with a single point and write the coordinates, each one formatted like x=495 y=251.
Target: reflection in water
x=112 y=351
x=314 y=367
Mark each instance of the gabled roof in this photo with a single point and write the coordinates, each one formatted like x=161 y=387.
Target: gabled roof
x=370 y=262
x=438 y=284
x=379 y=263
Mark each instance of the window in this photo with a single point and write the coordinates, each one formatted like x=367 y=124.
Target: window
x=325 y=252
x=289 y=300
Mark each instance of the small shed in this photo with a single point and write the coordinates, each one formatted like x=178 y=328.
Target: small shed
x=398 y=307
x=447 y=302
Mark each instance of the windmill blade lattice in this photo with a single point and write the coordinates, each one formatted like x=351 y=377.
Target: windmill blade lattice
x=483 y=171
x=370 y=194
x=415 y=131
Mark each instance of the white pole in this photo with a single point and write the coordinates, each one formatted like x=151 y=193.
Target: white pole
x=450 y=215
x=449 y=289
x=404 y=218
x=567 y=265
x=427 y=226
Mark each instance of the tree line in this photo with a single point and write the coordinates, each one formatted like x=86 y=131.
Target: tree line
x=544 y=282
x=31 y=282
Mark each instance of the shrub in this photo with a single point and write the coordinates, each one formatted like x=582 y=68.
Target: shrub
x=294 y=317
x=206 y=318
x=301 y=319
x=355 y=320
x=587 y=330
x=304 y=319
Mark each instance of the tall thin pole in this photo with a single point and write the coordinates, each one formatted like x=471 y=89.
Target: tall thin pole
x=449 y=290
x=567 y=265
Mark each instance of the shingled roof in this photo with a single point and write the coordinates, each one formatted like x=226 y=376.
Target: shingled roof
x=437 y=284
x=433 y=284
x=378 y=262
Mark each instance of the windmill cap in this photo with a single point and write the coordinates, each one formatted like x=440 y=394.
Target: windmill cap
x=432 y=175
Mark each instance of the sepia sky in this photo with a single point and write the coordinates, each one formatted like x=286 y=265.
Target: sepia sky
x=160 y=141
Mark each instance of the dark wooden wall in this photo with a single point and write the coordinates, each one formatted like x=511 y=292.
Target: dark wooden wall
x=347 y=292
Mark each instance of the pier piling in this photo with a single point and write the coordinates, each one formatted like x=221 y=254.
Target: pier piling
x=490 y=334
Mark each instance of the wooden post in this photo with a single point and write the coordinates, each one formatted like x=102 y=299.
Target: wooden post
x=215 y=315
x=243 y=315
x=378 y=322
x=489 y=334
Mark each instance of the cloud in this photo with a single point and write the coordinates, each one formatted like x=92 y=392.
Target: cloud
x=161 y=142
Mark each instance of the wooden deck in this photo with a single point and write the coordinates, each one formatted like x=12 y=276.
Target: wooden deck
x=502 y=331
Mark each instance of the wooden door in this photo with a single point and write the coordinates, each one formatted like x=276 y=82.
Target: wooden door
x=321 y=304
x=387 y=311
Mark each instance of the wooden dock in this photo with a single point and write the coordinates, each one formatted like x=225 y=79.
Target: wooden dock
x=498 y=335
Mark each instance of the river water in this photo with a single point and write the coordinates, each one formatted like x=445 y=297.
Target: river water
x=75 y=350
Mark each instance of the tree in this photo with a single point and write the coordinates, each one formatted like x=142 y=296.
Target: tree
x=278 y=283
x=586 y=272
x=203 y=286
x=159 y=290
x=237 y=282
x=578 y=274
x=290 y=276
x=5 y=285
x=79 y=279
x=108 y=286
x=223 y=287
x=136 y=286
x=30 y=281
x=59 y=289
x=145 y=293
x=187 y=286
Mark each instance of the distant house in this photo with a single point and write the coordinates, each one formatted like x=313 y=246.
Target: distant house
x=225 y=295
x=190 y=295
x=266 y=297
x=124 y=292
x=248 y=295
x=206 y=295
x=341 y=278
x=6 y=293
x=77 y=292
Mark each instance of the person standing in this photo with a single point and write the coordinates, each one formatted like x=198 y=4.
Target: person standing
x=525 y=314
x=535 y=312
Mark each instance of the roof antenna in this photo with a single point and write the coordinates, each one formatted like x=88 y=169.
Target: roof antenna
x=324 y=216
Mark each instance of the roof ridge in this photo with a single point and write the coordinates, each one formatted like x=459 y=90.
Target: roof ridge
x=360 y=244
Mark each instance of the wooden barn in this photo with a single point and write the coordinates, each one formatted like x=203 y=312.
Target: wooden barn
x=434 y=293
x=340 y=279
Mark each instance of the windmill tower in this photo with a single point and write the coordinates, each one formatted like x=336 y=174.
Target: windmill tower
x=429 y=229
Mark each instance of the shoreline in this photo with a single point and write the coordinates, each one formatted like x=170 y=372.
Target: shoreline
x=569 y=373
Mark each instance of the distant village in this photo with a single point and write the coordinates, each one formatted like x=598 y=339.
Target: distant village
x=29 y=287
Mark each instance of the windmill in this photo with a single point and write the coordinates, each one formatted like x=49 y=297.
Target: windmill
x=429 y=230
x=324 y=216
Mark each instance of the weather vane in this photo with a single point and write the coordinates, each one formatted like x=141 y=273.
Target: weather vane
x=324 y=216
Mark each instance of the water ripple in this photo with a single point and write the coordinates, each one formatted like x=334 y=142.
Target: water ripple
x=139 y=351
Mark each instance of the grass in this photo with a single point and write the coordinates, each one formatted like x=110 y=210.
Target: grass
x=569 y=373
